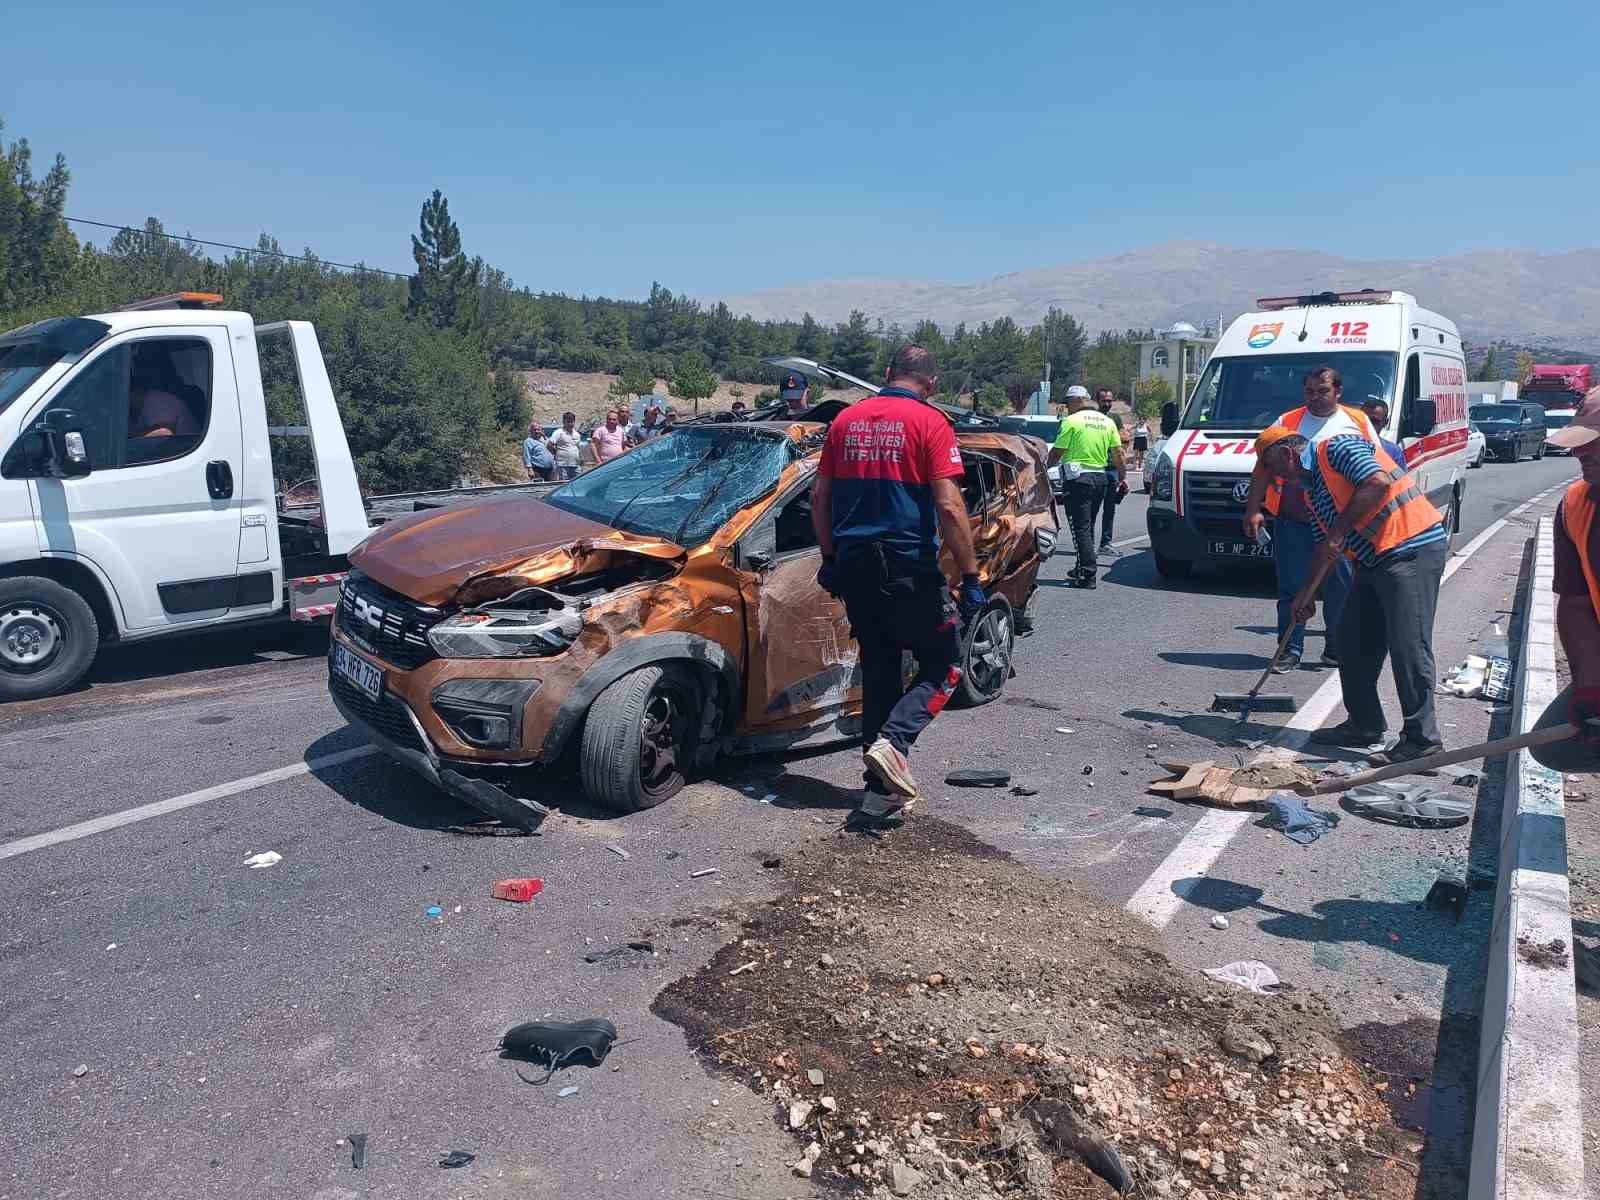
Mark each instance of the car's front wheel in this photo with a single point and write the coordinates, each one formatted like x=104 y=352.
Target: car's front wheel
x=986 y=655
x=639 y=738
x=48 y=637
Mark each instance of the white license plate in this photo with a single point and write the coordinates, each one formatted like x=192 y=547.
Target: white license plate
x=351 y=666
x=1242 y=549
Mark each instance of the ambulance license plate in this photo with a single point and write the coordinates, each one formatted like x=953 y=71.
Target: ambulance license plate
x=366 y=678
x=1240 y=548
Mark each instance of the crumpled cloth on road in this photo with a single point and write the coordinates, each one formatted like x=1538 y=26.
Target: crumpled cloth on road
x=1250 y=974
x=1290 y=816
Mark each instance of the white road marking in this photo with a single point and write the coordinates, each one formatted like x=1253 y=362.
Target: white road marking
x=1161 y=896
x=158 y=808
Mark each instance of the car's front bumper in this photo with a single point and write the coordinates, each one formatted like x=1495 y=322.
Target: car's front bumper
x=421 y=757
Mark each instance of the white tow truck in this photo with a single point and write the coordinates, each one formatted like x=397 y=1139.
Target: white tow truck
x=137 y=492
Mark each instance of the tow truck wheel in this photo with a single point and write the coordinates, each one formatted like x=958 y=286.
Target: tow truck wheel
x=48 y=637
x=986 y=655
x=639 y=738
x=1172 y=568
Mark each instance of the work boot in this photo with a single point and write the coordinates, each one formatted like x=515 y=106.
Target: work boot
x=1405 y=750
x=890 y=768
x=1285 y=662
x=1346 y=734
x=877 y=812
x=1086 y=581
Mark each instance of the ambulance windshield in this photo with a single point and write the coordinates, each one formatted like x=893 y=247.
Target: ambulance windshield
x=1250 y=392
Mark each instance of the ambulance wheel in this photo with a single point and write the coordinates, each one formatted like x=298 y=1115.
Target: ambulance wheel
x=639 y=738
x=48 y=637
x=986 y=655
x=1172 y=568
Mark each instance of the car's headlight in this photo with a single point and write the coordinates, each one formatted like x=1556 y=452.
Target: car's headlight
x=505 y=633
x=1161 y=479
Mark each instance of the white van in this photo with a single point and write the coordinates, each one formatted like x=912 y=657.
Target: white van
x=1382 y=343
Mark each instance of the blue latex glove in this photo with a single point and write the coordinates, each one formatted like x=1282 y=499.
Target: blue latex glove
x=970 y=598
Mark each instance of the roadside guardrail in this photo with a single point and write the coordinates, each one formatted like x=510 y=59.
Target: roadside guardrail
x=1528 y=1135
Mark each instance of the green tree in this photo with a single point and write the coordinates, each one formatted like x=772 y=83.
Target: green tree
x=636 y=380
x=692 y=379
x=1524 y=366
x=1149 y=395
x=991 y=398
x=444 y=289
x=812 y=340
x=1063 y=344
x=513 y=407
x=1487 y=369
x=854 y=348
x=1018 y=388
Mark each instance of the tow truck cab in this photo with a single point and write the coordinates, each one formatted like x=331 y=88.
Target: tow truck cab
x=1383 y=344
x=1559 y=388
x=137 y=492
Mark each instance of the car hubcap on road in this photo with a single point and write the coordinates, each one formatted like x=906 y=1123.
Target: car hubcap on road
x=30 y=636
x=989 y=663
x=661 y=737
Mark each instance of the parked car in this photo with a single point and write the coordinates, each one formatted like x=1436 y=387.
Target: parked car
x=1477 y=446
x=1041 y=426
x=1557 y=418
x=1513 y=430
x=655 y=612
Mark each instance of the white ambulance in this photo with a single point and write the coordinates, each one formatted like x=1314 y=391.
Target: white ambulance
x=1383 y=344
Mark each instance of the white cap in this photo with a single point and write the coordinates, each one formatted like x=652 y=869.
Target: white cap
x=1077 y=392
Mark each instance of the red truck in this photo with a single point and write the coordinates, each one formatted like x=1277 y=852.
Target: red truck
x=1559 y=388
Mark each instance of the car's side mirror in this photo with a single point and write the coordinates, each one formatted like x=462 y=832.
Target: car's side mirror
x=759 y=560
x=1424 y=415
x=66 y=456
x=1169 y=418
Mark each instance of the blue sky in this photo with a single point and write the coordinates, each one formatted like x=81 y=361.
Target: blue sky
x=724 y=148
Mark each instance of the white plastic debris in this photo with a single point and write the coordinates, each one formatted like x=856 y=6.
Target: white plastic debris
x=1467 y=679
x=567 y=1091
x=1251 y=974
x=1219 y=922
x=267 y=858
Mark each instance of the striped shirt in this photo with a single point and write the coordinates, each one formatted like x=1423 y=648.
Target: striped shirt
x=1352 y=456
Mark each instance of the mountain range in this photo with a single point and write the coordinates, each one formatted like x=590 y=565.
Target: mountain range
x=1518 y=296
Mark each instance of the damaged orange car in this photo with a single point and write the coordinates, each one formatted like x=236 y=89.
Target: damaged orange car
x=646 y=617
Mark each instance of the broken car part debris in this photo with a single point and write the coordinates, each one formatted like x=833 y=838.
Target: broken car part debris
x=456 y=1158
x=1250 y=974
x=1067 y=1132
x=1448 y=894
x=554 y=1045
x=742 y=968
x=701 y=874
x=1417 y=805
x=595 y=956
x=267 y=858
x=978 y=777
x=619 y=852
x=358 y=1150
x=518 y=891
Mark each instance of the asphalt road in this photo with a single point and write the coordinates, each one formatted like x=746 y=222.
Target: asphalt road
x=235 y=1024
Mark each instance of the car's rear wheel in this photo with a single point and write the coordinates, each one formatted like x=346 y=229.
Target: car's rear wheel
x=986 y=655
x=639 y=738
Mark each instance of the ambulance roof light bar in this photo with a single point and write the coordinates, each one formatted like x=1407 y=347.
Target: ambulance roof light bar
x=1364 y=296
x=176 y=300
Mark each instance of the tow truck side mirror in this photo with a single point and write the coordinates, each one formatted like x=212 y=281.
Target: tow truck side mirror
x=66 y=455
x=1169 y=418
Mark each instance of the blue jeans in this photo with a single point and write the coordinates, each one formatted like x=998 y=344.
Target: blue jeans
x=1292 y=544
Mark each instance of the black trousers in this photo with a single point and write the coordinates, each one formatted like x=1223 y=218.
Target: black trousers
x=1083 y=496
x=894 y=609
x=1389 y=613
x=1108 y=506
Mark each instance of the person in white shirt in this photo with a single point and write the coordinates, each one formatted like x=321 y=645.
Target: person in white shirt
x=565 y=443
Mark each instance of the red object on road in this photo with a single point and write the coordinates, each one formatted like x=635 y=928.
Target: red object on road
x=518 y=891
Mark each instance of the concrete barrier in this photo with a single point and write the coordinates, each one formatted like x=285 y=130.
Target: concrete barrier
x=1528 y=1135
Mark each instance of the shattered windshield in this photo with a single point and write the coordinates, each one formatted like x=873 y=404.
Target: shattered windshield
x=1253 y=391
x=681 y=487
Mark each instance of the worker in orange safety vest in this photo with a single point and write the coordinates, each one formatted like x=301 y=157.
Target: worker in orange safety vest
x=1577 y=588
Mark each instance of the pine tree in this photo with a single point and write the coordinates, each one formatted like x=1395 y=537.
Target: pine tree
x=692 y=379
x=444 y=289
x=854 y=348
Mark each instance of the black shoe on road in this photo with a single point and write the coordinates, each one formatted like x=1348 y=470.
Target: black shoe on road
x=1346 y=734
x=1405 y=750
x=1285 y=662
x=1086 y=581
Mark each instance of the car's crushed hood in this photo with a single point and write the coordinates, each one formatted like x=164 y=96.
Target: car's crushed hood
x=469 y=553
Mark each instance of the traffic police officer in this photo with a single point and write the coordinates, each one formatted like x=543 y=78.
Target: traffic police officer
x=886 y=492
x=1088 y=447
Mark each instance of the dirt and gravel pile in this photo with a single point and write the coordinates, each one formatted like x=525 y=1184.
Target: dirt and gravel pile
x=930 y=1018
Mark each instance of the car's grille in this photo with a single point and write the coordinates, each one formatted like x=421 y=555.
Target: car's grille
x=387 y=716
x=387 y=624
x=1208 y=501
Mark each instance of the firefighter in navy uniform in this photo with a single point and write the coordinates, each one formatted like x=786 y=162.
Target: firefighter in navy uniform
x=887 y=489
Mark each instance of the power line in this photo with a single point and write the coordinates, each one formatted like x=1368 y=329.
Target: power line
x=172 y=237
